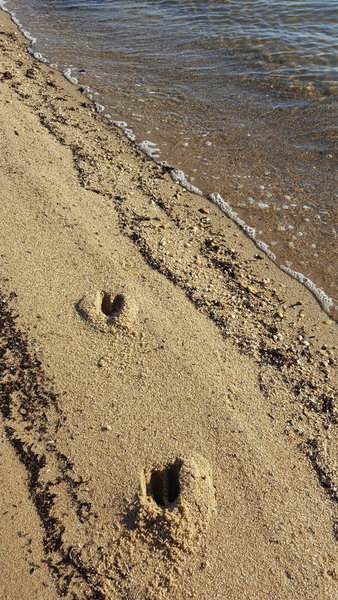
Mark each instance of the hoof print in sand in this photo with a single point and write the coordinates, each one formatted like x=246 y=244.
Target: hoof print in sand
x=104 y=310
x=164 y=485
x=165 y=529
x=176 y=502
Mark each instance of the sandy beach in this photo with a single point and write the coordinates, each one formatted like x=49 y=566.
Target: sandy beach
x=168 y=428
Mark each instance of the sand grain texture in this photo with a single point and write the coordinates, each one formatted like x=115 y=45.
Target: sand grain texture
x=182 y=446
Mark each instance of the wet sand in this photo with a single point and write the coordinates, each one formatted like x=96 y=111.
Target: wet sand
x=167 y=417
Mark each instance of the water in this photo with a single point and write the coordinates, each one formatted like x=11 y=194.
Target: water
x=240 y=95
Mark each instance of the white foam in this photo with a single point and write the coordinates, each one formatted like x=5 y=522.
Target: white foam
x=67 y=73
x=325 y=302
x=98 y=107
x=250 y=231
x=265 y=248
x=85 y=89
x=15 y=20
x=29 y=37
x=32 y=40
x=129 y=134
x=126 y=130
x=39 y=57
x=179 y=177
x=120 y=124
x=149 y=148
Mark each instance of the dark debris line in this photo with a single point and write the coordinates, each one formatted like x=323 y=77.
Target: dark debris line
x=31 y=417
x=279 y=358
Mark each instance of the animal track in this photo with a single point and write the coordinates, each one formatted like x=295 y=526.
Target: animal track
x=112 y=308
x=166 y=526
x=184 y=481
x=104 y=310
x=164 y=486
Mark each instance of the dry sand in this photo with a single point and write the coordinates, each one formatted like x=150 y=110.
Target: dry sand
x=183 y=445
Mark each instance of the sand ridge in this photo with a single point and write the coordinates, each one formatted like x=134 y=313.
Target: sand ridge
x=158 y=445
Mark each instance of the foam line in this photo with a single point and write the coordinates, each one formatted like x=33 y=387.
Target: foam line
x=67 y=73
x=250 y=231
x=85 y=89
x=265 y=248
x=38 y=56
x=15 y=20
x=149 y=149
x=325 y=302
x=98 y=107
x=126 y=130
x=180 y=177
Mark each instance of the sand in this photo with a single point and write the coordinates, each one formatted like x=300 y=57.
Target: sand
x=182 y=445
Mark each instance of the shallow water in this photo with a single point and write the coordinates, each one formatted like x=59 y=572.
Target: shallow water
x=240 y=95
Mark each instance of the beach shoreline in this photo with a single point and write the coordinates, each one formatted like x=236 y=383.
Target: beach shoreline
x=282 y=248
x=167 y=408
